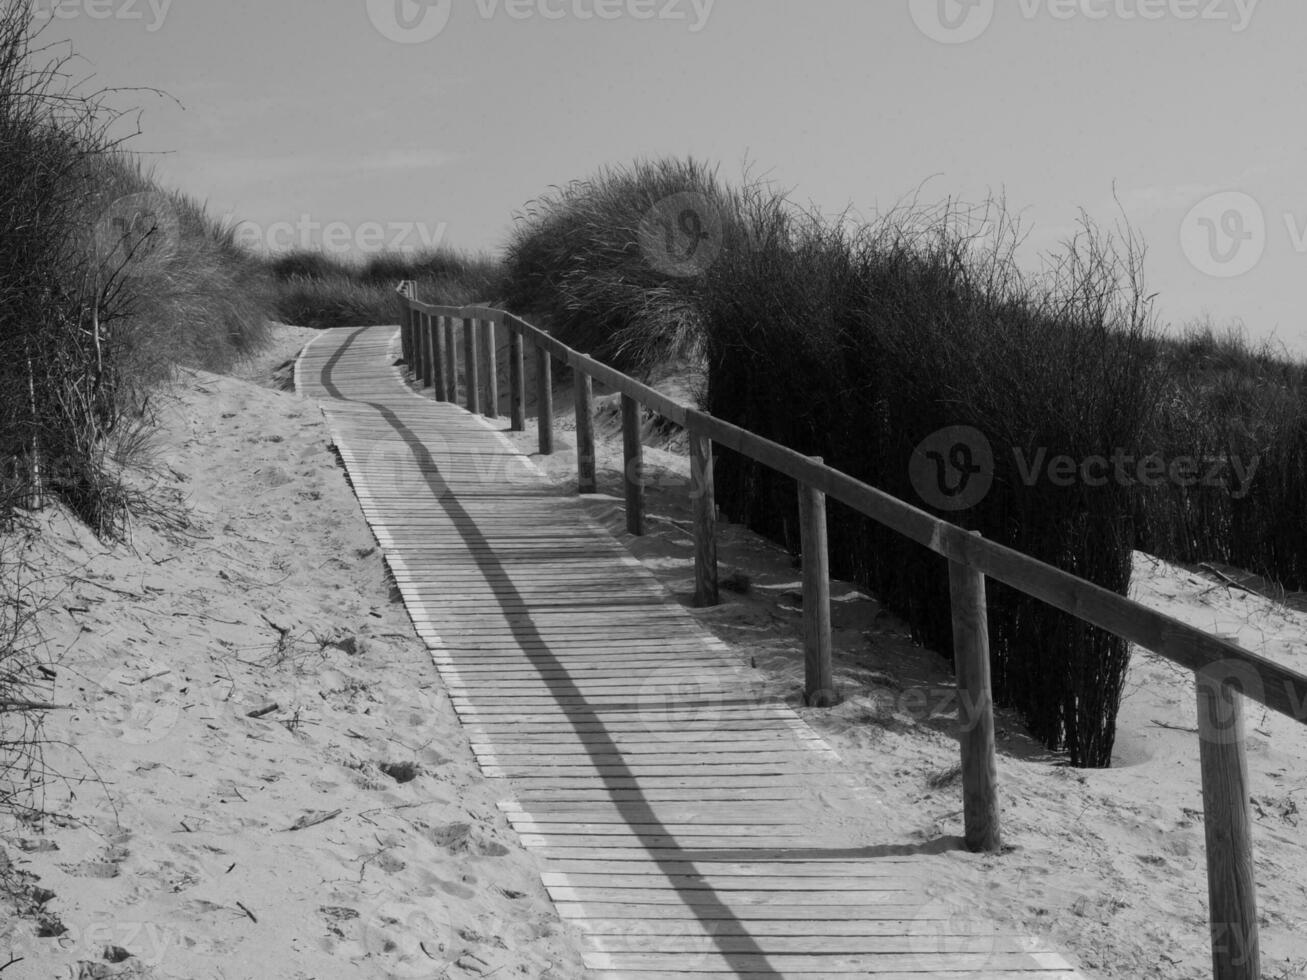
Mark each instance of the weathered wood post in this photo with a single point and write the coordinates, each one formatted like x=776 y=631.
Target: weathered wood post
x=451 y=361
x=1231 y=888
x=545 y=401
x=405 y=322
x=470 y=380
x=438 y=358
x=705 y=520
x=516 y=381
x=586 y=480
x=975 y=707
x=424 y=350
x=492 y=369
x=633 y=465
x=818 y=675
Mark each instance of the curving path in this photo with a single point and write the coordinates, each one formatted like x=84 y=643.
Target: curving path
x=687 y=827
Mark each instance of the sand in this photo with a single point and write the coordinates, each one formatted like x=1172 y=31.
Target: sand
x=171 y=828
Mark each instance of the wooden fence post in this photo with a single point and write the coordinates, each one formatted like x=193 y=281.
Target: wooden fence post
x=818 y=676
x=492 y=369
x=516 y=381
x=438 y=357
x=586 y=479
x=424 y=350
x=405 y=324
x=545 y=401
x=451 y=361
x=633 y=465
x=705 y=521
x=1231 y=889
x=470 y=380
x=975 y=707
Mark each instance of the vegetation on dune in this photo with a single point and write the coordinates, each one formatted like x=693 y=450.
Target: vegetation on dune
x=611 y=264
x=316 y=289
x=108 y=282
x=858 y=341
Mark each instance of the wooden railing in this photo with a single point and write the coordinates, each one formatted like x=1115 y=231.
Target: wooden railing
x=1222 y=670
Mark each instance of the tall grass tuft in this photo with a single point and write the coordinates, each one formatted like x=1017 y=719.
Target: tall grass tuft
x=317 y=289
x=857 y=342
x=611 y=264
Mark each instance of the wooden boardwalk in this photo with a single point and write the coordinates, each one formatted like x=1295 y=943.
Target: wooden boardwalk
x=689 y=826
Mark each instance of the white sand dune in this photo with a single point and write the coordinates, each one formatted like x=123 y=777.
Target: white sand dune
x=171 y=835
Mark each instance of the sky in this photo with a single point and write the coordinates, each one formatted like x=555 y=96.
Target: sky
x=359 y=124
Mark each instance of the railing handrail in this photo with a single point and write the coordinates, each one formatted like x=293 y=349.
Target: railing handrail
x=1222 y=668
x=1283 y=689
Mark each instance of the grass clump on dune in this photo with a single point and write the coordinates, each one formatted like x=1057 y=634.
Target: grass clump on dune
x=611 y=264
x=317 y=289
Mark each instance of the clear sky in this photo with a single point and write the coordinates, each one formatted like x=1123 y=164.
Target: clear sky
x=439 y=120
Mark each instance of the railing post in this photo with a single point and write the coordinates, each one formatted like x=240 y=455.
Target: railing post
x=424 y=350
x=492 y=369
x=1231 y=888
x=405 y=322
x=470 y=379
x=818 y=676
x=516 y=381
x=975 y=707
x=705 y=521
x=545 y=401
x=451 y=361
x=438 y=357
x=586 y=481
x=633 y=465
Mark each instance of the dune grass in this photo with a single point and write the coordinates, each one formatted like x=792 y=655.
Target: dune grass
x=318 y=289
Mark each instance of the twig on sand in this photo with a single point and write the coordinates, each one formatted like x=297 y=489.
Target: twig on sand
x=1176 y=728
x=10 y=704
x=253 y=917
x=267 y=709
x=313 y=819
